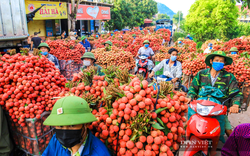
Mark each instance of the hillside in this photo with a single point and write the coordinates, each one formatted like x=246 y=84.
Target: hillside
x=163 y=9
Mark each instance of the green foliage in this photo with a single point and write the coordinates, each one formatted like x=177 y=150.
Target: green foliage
x=163 y=16
x=244 y=29
x=245 y=3
x=176 y=17
x=214 y=19
x=130 y=13
x=179 y=35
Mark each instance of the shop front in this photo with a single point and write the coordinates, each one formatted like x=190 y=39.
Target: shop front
x=90 y=18
x=50 y=20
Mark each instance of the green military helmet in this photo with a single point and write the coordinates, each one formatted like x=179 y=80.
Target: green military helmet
x=70 y=110
x=88 y=55
x=83 y=37
x=146 y=42
x=108 y=42
x=228 y=61
x=43 y=45
x=234 y=49
x=134 y=35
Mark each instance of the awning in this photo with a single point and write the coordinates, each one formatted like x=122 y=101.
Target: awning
x=148 y=21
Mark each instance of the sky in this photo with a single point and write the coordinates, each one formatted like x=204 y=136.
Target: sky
x=178 y=5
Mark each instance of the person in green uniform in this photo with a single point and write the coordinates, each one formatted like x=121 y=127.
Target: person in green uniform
x=217 y=77
x=89 y=60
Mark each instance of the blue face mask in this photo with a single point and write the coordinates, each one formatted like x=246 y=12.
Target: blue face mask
x=111 y=34
x=74 y=33
x=218 y=66
x=233 y=52
x=134 y=37
x=146 y=45
x=173 y=58
x=179 y=42
x=64 y=33
x=86 y=40
x=210 y=47
x=96 y=36
x=44 y=53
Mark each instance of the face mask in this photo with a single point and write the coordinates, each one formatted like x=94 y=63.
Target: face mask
x=111 y=34
x=96 y=36
x=86 y=40
x=233 y=52
x=146 y=45
x=179 y=42
x=173 y=58
x=218 y=66
x=134 y=37
x=44 y=53
x=69 y=138
x=86 y=63
x=74 y=33
x=210 y=48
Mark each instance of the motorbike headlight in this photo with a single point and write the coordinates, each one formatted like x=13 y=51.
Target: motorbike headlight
x=204 y=110
x=217 y=112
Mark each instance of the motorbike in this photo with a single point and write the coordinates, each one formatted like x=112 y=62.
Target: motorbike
x=144 y=66
x=203 y=131
x=179 y=86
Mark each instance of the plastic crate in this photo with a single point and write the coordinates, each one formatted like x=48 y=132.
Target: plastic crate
x=160 y=72
x=34 y=137
x=68 y=68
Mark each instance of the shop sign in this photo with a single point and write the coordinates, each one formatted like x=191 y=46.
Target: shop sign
x=50 y=10
x=88 y=12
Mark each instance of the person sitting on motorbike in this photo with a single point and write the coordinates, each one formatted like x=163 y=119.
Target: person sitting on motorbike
x=217 y=77
x=209 y=48
x=89 y=60
x=71 y=117
x=146 y=50
x=170 y=65
x=234 y=50
x=189 y=37
x=143 y=60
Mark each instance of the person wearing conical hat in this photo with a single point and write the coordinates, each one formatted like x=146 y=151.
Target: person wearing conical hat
x=71 y=117
x=89 y=60
x=45 y=49
x=216 y=76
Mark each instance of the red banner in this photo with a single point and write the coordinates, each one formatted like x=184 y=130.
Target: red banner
x=88 y=12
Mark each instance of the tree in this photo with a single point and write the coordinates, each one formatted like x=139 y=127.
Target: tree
x=130 y=13
x=245 y=3
x=214 y=19
x=72 y=14
x=177 y=17
x=163 y=16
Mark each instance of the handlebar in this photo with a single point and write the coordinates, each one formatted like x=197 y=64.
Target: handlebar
x=241 y=109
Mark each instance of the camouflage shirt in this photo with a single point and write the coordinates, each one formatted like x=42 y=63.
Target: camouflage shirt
x=226 y=82
x=99 y=69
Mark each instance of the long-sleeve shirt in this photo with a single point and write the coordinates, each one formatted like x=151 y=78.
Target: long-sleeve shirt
x=239 y=141
x=175 y=69
x=92 y=147
x=148 y=51
x=53 y=59
x=86 y=45
x=226 y=82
